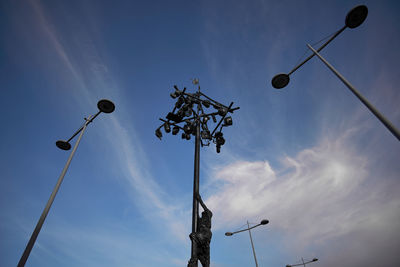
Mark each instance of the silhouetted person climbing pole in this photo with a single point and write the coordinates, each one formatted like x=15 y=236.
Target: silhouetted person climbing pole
x=202 y=237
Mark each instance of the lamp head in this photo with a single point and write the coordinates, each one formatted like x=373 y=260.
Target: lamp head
x=280 y=80
x=222 y=111
x=158 y=133
x=214 y=118
x=205 y=134
x=228 y=234
x=105 y=106
x=175 y=130
x=228 y=121
x=206 y=103
x=315 y=259
x=174 y=117
x=263 y=222
x=219 y=138
x=64 y=145
x=167 y=127
x=174 y=94
x=188 y=128
x=179 y=102
x=356 y=16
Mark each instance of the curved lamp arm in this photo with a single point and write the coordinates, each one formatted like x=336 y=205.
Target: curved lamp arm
x=263 y=222
x=299 y=264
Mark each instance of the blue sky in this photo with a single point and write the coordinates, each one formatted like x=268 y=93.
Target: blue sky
x=310 y=158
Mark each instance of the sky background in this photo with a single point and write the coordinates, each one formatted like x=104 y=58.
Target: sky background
x=310 y=158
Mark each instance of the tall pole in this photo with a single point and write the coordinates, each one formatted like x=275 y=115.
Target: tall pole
x=252 y=245
x=385 y=121
x=39 y=225
x=303 y=262
x=195 y=214
x=195 y=123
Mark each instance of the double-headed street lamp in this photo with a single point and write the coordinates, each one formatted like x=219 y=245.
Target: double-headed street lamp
x=303 y=263
x=191 y=117
x=263 y=222
x=105 y=106
x=354 y=18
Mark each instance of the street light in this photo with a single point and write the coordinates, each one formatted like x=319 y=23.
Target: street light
x=354 y=18
x=303 y=263
x=263 y=222
x=189 y=115
x=105 y=106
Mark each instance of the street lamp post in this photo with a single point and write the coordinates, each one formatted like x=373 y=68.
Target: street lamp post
x=354 y=18
x=263 y=222
x=302 y=263
x=189 y=115
x=104 y=106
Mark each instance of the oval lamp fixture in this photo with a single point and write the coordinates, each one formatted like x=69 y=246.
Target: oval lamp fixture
x=106 y=106
x=64 y=145
x=356 y=16
x=280 y=80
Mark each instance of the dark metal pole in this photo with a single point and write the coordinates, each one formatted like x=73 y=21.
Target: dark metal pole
x=303 y=262
x=385 y=121
x=252 y=245
x=35 y=233
x=195 y=214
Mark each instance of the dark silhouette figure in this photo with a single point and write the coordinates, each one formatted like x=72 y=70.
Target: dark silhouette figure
x=202 y=237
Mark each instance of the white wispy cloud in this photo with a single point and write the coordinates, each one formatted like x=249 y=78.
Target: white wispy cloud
x=320 y=192
x=93 y=79
x=322 y=196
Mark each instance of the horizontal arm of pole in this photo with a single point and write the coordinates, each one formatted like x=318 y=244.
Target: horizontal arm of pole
x=222 y=105
x=210 y=114
x=247 y=229
x=299 y=264
x=216 y=113
x=212 y=100
x=169 y=123
x=319 y=49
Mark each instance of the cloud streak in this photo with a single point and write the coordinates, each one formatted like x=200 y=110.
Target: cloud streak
x=321 y=195
x=335 y=192
x=94 y=78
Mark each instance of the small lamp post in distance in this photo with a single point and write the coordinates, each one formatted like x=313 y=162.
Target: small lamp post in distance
x=303 y=263
x=263 y=222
